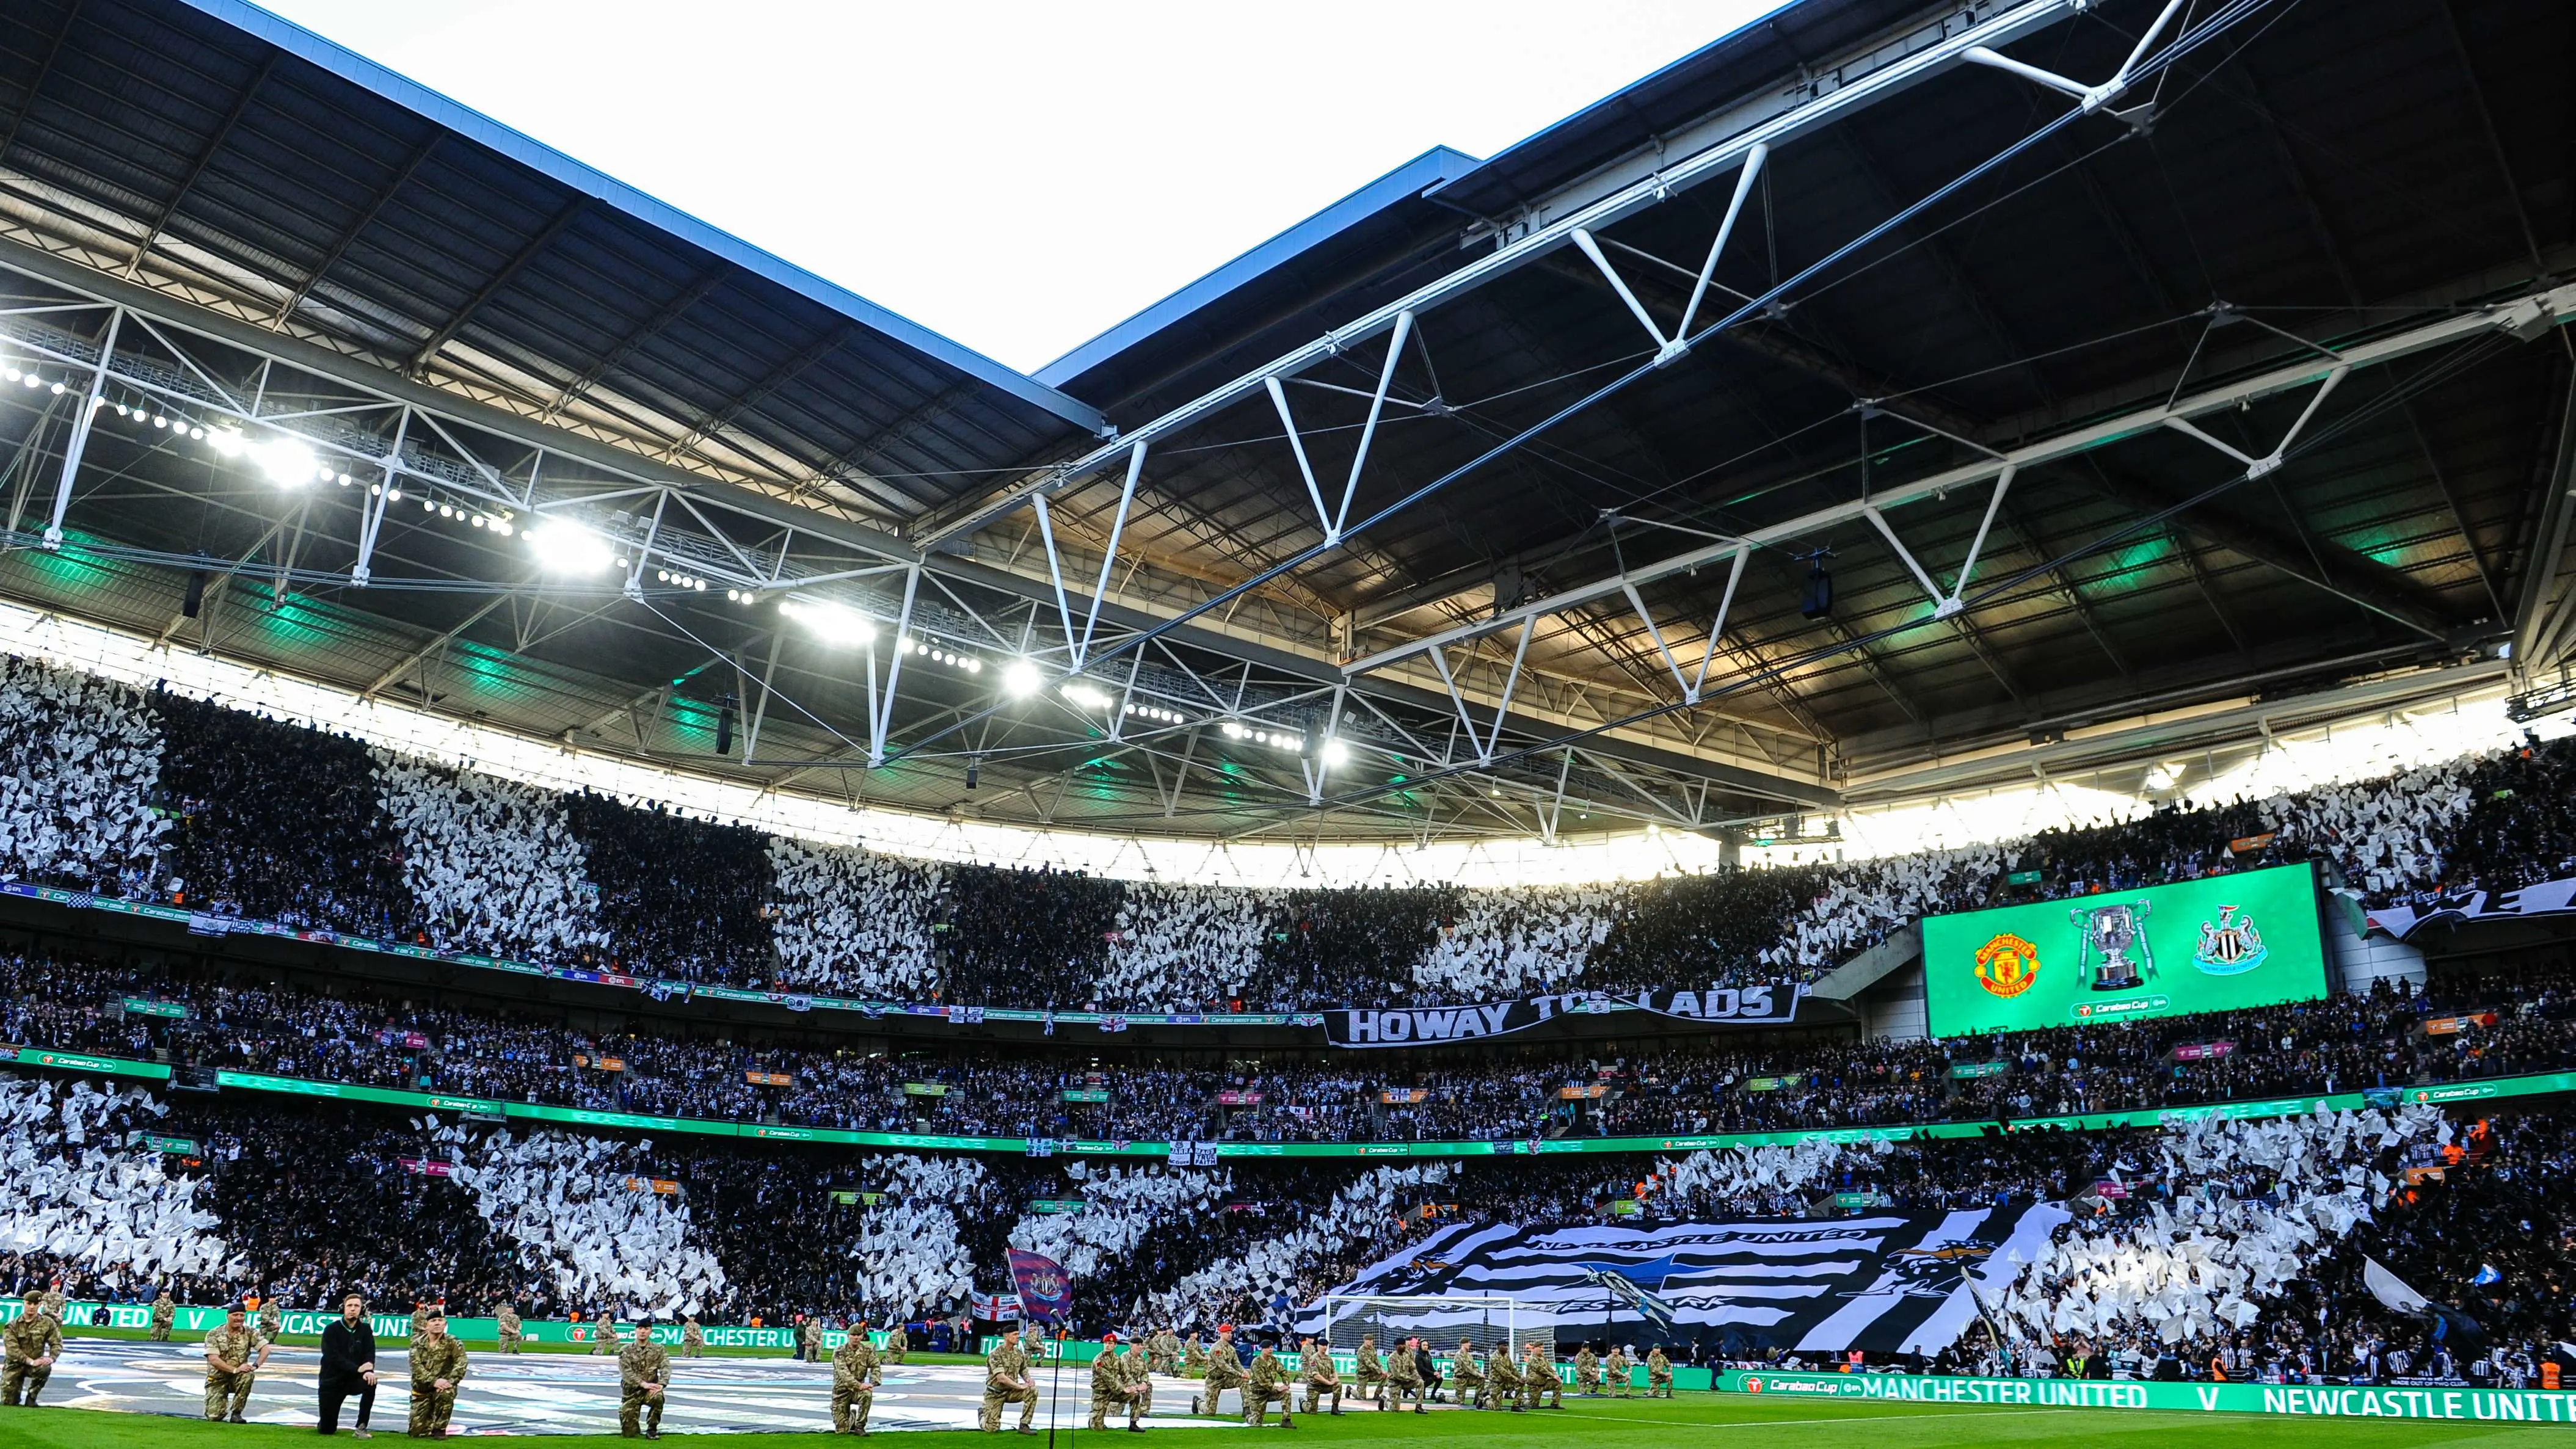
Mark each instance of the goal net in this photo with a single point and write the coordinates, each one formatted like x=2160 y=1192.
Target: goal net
x=1490 y=1324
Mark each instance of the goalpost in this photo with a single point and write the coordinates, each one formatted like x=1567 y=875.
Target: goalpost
x=1491 y=1324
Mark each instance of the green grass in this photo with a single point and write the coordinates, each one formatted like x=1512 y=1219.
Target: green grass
x=1697 y=1421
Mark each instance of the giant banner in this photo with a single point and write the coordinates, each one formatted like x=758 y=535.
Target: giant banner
x=2221 y=943
x=1767 y=1004
x=1885 y=1282
x=2456 y=908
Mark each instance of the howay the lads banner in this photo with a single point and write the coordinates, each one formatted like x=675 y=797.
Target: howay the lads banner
x=1884 y=1282
x=1765 y=1005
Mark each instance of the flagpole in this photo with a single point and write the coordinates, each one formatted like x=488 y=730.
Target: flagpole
x=1054 y=1384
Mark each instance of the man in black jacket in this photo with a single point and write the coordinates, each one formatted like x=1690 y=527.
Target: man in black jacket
x=349 y=1367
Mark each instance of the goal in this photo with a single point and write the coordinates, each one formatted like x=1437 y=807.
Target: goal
x=1488 y=1323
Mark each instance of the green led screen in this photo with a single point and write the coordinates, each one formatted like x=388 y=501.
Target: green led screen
x=2247 y=939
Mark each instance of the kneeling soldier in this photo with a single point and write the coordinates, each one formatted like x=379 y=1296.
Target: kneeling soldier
x=32 y=1344
x=855 y=1377
x=437 y=1367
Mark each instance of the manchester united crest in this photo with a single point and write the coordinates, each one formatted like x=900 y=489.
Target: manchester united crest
x=2007 y=965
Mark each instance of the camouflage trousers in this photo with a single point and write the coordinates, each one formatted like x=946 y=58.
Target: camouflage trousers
x=1659 y=1386
x=510 y=1340
x=1398 y=1390
x=1316 y=1393
x=1211 y=1400
x=20 y=1376
x=226 y=1393
x=1256 y=1403
x=430 y=1409
x=635 y=1404
x=160 y=1333
x=995 y=1398
x=1542 y=1385
x=1136 y=1399
x=850 y=1408
x=693 y=1350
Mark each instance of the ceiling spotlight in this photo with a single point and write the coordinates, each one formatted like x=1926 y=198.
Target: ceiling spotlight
x=1083 y=694
x=393 y=495
x=830 y=623
x=445 y=511
x=1336 y=752
x=11 y=373
x=1022 y=679
x=568 y=548
x=286 y=461
x=158 y=421
x=662 y=576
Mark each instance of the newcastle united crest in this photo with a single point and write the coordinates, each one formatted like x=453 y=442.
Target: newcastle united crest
x=2229 y=945
x=2115 y=944
x=2007 y=965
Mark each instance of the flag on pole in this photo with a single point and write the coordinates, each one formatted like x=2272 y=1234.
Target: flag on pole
x=1046 y=1290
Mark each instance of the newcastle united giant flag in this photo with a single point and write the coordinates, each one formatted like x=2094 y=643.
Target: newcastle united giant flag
x=1885 y=1282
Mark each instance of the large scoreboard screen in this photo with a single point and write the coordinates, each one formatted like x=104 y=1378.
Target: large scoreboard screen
x=2216 y=944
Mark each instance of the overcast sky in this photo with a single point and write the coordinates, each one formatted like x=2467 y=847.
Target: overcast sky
x=1017 y=176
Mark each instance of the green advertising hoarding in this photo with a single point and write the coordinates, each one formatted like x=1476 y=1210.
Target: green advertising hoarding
x=2461 y=1404
x=2222 y=943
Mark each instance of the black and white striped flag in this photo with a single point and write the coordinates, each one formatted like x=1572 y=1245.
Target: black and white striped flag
x=1886 y=1282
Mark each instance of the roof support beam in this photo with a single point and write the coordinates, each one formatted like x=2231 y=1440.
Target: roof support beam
x=358 y=228
x=188 y=182
x=456 y=323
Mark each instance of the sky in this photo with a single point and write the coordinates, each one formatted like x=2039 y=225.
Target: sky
x=1017 y=176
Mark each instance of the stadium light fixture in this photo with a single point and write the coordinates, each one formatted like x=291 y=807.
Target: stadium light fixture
x=288 y=463
x=830 y=623
x=1021 y=679
x=569 y=548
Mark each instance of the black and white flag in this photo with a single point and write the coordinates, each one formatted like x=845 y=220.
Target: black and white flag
x=1885 y=1282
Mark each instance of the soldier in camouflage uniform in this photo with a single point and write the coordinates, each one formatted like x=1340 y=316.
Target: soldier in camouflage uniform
x=437 y=1367
x=1587 y=1373
x=605 y=1339
x=693 y=1339
x=898 y=1343
x=1194 y=1358
x=30 y=1346
x=164 y=1313
x=1620 y=1369
x=1502 y=1382
x=506 y=1319
x=1006 y=1381
x=643 y=1373
x=855 y=1376
x=1403 y=1380
x=1140 y=1382
x=272 y=1321
x=1224 y=1371
x=55 y=1303
x=233 y=1357
x=1163 y=1352
x=1659 y=1374
x=1267 y=1381
x=1464 y=1374
x=1372 y=1371
x=1539 y=1378
x=1315 y=1366
x=1113 y=1383
x=809 y=1341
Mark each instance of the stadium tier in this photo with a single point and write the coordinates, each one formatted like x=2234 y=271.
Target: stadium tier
x=1892 y=718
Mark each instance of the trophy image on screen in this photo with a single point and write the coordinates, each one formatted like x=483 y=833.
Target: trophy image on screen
x=2111 y=935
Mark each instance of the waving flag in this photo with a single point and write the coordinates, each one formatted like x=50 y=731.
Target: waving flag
x=1046 y=1290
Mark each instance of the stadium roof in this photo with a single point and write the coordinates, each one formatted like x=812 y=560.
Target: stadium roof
x=1416 y=519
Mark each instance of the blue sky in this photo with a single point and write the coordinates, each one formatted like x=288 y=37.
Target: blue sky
x=1017 y=176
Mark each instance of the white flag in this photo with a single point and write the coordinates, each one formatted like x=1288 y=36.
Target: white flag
x=2390 y=1289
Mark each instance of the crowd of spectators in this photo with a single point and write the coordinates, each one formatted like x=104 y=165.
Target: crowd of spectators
x=2496 y=1019
x=277 y=821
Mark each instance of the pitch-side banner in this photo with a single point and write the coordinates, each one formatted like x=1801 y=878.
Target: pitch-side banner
x=1885 y=1282
x=2549 y=898
x=1359 y=1026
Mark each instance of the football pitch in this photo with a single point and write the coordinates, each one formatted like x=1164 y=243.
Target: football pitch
x=1702 y=1421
